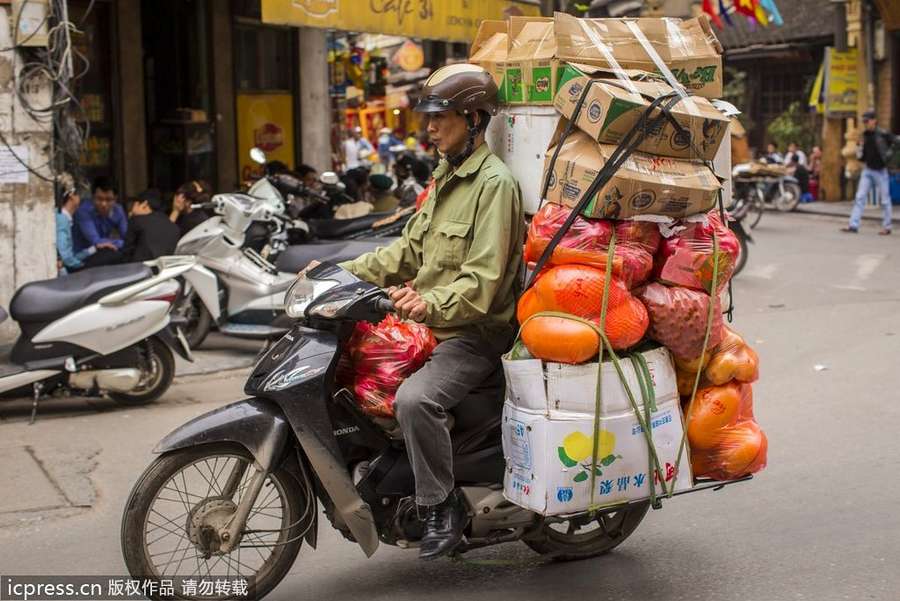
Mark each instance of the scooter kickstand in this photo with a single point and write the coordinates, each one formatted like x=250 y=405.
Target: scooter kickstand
x=38 y=387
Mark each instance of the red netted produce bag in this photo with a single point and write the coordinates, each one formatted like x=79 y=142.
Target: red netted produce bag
x=379 y=357
x=578 y=290
x=587 y=243
x=726 y=442
x=678 y=319
x=686 y=259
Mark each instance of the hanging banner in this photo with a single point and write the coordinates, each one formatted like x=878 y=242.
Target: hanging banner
x=451 y=20
x=841 y=82
x=816 y=98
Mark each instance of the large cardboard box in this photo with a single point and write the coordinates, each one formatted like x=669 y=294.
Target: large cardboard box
x=548 y=461
x=643 y=185
x=689 y=49
x=612 y=109
x=489 y=48
x=531 y=64
x=552 y=389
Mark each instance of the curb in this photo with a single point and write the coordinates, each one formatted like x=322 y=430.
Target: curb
x=844 y=216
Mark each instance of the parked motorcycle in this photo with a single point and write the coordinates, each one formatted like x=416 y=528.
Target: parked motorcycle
x=782 y=191
x=101 y=330
x=249 y=476
x=241 y=292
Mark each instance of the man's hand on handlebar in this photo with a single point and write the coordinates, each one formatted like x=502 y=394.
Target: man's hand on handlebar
x=408 y=303
x=312 y=265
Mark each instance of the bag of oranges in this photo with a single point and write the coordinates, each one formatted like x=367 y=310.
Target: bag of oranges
x=726 y=442
x=686 y=259
x=587 y=243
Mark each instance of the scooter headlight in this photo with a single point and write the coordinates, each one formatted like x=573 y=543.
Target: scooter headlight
x=330 y=309
x=301 y=294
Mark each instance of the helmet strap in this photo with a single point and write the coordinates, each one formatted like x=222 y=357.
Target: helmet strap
x=473 y=131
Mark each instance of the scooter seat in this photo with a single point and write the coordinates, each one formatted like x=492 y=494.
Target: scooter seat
x=338 y=228
x=48 y=300
x=295 y=258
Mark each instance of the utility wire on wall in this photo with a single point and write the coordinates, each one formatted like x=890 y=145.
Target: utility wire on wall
x=62 y=65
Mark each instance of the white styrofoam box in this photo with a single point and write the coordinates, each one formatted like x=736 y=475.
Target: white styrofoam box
x=519 y=135
x=722 y=166
x=557 y=387
x=548 y=461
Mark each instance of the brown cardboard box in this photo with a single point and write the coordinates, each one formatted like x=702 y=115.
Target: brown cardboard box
x=489 y=48
x=689 y=49
x=643 y=185
x=613 y=108
x=531 y=65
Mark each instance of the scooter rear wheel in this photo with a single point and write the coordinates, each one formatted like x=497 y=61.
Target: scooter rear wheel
x=582 y=538
x=170 y=520
x=157 y=373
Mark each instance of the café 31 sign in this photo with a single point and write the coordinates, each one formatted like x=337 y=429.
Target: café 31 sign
x=452 y=20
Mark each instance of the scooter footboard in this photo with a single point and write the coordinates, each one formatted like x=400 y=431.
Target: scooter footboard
x=256 y=424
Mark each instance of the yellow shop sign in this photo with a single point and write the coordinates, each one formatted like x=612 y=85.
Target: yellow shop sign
x=452 y=20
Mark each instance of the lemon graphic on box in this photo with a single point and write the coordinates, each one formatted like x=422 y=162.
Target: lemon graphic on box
x=577 y=448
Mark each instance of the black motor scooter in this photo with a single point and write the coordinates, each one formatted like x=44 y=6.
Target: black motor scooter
x=250 y=475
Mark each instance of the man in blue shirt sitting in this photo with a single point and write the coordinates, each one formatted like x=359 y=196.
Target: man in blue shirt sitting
x=100 y=222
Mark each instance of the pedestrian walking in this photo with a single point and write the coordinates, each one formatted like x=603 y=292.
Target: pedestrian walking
x=875 y=151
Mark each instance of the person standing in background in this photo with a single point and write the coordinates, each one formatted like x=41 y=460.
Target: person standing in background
x=875 y=152
x=355 y=148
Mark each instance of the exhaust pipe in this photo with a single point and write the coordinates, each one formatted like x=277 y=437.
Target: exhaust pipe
x=123 y=379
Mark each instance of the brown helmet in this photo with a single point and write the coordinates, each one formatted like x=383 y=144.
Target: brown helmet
x=461 y=87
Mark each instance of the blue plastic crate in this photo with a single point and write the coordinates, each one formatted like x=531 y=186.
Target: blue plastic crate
x=895 y=187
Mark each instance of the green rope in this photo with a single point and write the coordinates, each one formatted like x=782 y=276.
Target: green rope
x=709 y=320
x=598 y=399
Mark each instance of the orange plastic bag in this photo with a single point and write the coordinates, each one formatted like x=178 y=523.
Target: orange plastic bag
x=379 y=357
x=732 y=359
x=726 y=442
x=578 y=290
x=678 y=319
x=587 y=243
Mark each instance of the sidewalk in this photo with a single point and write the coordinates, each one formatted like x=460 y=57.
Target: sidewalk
x=219 y=353
x=842 y=209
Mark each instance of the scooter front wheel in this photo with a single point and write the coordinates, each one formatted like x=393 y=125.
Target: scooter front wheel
x=172 y=525
x=582 y=537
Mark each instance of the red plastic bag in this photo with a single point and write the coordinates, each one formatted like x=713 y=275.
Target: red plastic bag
x=686 y=259
x=678 y=319
x=726 y=442
x=587 y=243
x=379 y=357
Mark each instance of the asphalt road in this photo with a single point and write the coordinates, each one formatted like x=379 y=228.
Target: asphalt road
x=822 y=309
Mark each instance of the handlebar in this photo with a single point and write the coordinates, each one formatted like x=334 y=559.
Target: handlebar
x=385 y=305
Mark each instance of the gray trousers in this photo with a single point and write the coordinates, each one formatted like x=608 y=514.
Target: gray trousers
x=465 y=373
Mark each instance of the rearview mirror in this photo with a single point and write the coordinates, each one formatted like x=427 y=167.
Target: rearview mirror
x=257 y=155
x=329 y=178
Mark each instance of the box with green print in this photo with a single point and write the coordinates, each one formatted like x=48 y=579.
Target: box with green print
x=549 y=460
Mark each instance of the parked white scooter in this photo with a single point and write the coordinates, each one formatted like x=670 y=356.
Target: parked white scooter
x=242 y=293
x=101 y=330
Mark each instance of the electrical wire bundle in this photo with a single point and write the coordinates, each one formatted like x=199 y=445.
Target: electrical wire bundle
x=62 y=65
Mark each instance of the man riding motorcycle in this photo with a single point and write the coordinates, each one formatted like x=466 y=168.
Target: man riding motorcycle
x=456 y=268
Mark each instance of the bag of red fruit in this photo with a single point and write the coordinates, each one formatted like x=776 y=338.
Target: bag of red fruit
x=587 y=243
x=686 y=259
x=378 y=359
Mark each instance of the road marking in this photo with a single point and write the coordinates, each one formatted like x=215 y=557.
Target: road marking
x=866 y=265
x=766 y=272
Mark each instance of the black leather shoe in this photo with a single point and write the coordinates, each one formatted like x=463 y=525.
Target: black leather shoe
x=444 y=524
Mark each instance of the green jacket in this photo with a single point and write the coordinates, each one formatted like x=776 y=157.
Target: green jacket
x=462 y=250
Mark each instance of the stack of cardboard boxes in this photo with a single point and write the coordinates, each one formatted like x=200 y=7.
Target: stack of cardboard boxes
x=615 y=69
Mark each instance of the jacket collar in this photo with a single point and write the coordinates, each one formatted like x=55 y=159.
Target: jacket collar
x=470 y=165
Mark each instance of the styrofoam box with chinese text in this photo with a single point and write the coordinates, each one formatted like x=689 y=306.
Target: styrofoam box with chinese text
x=548 y=460
x=552 y=388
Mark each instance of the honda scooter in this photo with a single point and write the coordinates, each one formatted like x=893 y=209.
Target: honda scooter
x=101 y=330
x=249 y=476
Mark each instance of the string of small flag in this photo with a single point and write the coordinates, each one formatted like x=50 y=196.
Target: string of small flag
x=756 y=12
